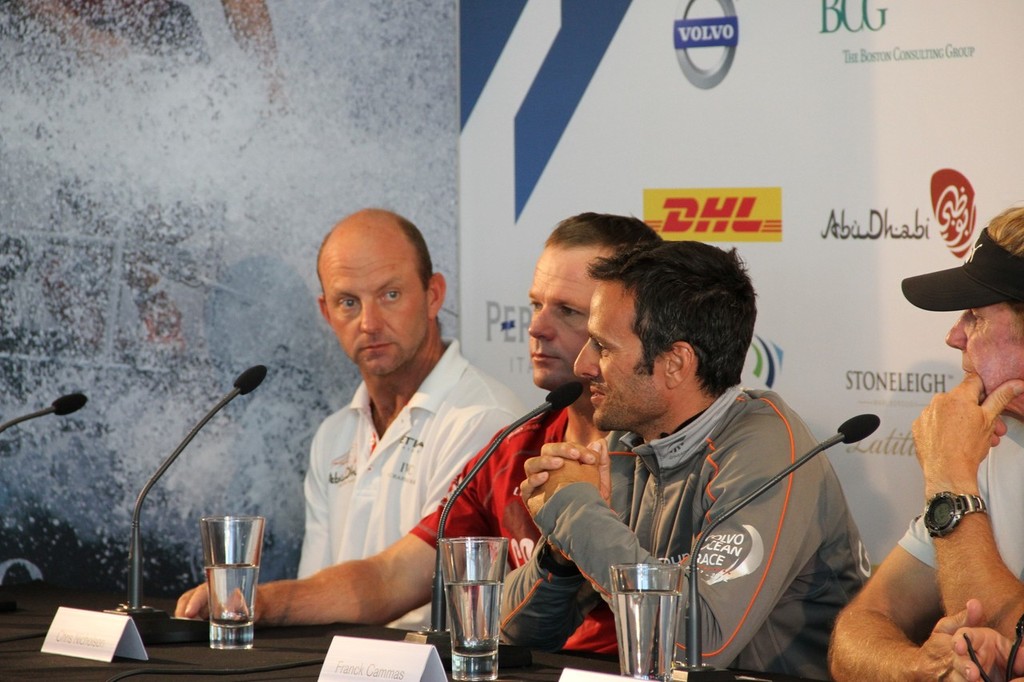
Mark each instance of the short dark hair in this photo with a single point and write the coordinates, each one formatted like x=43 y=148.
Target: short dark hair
x=693 y=292
x=424 y=266
x=601 y=230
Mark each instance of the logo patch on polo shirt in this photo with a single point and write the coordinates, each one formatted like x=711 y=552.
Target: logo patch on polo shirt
x=340 y=471
x=405 y=472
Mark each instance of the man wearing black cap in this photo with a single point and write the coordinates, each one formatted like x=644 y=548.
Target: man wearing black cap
x=969 y=541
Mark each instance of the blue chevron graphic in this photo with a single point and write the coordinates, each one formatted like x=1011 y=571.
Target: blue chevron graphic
x=586 y=31
x=484 y=29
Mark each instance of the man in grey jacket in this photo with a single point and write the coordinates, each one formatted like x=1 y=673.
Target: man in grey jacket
x=669 y=330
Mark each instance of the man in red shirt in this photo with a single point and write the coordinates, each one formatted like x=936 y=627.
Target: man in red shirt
x=386 y=585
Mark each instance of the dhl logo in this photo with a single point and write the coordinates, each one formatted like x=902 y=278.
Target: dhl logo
x=736 y=214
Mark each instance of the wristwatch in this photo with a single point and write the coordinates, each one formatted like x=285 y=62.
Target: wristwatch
x=944 y=511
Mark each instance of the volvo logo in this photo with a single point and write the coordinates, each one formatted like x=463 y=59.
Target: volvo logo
x=699 y=34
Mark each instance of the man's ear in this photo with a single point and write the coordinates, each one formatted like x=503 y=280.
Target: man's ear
x=322 y=302
x=436 y=288
x=679 y=364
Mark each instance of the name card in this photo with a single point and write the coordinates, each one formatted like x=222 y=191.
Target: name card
x=573 y=675
x=354 y=658
x=95 y=635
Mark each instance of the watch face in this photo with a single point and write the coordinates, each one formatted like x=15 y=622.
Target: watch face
x=941 y=512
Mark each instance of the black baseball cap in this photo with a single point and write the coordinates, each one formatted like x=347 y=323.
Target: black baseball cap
x=989 y=275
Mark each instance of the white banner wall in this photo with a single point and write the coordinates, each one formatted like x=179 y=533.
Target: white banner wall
x=846 y=145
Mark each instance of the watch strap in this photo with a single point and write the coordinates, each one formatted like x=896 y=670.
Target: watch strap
x=970 y=503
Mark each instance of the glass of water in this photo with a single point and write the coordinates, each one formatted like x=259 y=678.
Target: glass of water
x=473 y=570
x=231 y=555
x=646 y=600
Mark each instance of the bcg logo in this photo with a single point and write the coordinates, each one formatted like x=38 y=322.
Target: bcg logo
x=954 y=208
x=744 y=214
x=845 y=14
x=699 y=34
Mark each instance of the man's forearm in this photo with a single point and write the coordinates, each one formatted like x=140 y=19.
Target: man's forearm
x=351 y=592
x=374 y=591
x=969 y=566
x=866 y=645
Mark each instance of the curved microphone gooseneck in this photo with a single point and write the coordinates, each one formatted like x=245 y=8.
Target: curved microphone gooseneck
x=852 y=430
x=246 y=382
x=558 y=399
x=66 y=404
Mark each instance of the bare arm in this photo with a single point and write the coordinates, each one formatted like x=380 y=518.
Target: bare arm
x=249 y=21
x=969 y=567
x=74 y=32
x=952 y=437
x=375 y=590
x=877 y=636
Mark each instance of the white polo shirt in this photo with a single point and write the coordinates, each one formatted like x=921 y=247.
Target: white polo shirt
x=364 y=491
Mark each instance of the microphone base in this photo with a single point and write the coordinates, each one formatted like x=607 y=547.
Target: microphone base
x=158 y=627
x=439 y=639
x=509 y=655
x=704 y=673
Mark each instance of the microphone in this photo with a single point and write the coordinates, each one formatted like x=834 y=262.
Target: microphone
x=558 y=399
x=156 y=626
x=66 y=404
x=852 y=430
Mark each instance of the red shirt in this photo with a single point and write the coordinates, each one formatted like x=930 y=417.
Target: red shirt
x=491 y=506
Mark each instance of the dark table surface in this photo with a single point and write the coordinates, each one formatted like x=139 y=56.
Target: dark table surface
x=292 y=653
x=22 y=632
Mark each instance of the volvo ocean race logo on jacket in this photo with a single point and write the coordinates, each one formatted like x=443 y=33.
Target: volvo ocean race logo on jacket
x=727 y=556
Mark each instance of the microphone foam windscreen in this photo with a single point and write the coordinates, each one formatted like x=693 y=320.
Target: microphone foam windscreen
x=248 y=380
x=859 y=427
x=565 y=395
x=66 y=404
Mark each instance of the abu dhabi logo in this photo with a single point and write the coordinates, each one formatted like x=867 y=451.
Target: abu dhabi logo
x=954 y=208
x=697 y=34
x=727 y=556
x=767 y=359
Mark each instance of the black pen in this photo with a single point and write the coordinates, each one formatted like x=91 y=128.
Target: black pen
x=974 y=657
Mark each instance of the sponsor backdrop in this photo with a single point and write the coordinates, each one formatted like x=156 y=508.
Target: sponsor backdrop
x=160 y=214
x=839 y=145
